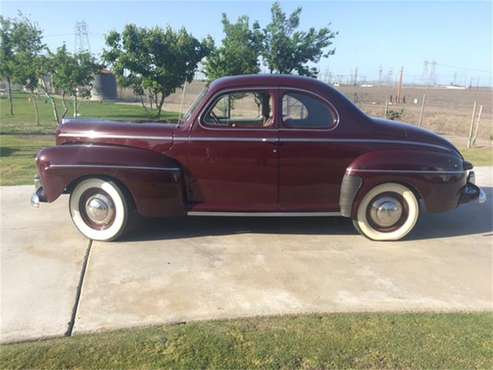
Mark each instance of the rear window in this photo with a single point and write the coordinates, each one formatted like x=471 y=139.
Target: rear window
x=304 y=111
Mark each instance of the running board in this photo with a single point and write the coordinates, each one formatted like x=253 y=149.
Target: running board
x=264 y=214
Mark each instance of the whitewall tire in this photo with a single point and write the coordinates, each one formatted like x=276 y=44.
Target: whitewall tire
x=387 y=212
x=99 y=209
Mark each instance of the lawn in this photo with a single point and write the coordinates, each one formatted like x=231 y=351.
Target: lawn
x=380 y=340
x=17 y=153
x=23 y=121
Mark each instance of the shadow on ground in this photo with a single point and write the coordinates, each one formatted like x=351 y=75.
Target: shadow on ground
x=468 y=219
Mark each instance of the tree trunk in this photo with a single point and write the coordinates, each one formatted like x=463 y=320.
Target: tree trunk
x=143 y=103
x=35 y=104
x=160 y=106
x=11 y=103
x=76 y=108
x=65 y=108
x=52 y=101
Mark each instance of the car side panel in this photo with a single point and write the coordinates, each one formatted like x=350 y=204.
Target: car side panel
x=437 y=177
x=153 y=180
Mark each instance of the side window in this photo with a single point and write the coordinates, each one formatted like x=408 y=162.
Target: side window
x=242 y=109
x=301 y=110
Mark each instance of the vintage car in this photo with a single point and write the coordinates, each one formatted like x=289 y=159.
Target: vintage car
x=258 y=145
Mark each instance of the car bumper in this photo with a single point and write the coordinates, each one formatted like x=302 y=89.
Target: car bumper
x=471 y=192
x=38 y=195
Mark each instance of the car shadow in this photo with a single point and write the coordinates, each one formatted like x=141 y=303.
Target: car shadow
x=467 y=219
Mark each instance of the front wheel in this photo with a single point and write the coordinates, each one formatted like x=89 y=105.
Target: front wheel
x=387 y=212
x=99 y=209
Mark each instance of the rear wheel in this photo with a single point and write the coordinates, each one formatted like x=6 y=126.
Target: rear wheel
x=387 y=212
x=99 y=209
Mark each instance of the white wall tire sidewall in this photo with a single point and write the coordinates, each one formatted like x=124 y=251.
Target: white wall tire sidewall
x=413 y=212
x=121 y=211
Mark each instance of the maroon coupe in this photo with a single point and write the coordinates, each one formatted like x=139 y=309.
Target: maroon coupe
x=258 y=145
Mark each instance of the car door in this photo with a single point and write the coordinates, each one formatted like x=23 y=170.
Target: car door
x=232 y=154
x=310 y=171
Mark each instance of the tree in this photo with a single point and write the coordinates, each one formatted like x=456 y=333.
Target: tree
x=155 y=60
x=27 y=46
x=7 y=61
x=239 y=52
x=284 y=49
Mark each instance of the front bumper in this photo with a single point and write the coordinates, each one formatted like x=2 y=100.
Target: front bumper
x=471 y=192
x=38 y=195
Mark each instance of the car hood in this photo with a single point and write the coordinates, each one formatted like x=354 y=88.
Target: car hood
x=115 y=132
x=387 y=129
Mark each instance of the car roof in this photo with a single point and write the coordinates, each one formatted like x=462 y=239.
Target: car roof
x=273 y=80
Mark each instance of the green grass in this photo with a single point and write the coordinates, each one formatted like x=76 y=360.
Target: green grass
x=386 y=340
x=479 y=156
x=23 y=122
x=17 y=153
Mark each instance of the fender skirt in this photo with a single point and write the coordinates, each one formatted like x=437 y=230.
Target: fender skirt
x=153 y=181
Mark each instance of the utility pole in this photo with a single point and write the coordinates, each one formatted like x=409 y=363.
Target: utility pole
x=355 y=76
x=399 y=87
x=380 y=71
x=421 y=111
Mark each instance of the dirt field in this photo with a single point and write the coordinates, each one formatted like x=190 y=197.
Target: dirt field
x=447 y=111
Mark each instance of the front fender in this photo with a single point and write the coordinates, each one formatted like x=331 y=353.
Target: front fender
x=436 y=177
x=153 y=180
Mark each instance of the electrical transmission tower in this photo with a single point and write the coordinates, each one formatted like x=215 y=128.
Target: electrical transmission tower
x=81 y=42
x=425 y=74
x=433 y=73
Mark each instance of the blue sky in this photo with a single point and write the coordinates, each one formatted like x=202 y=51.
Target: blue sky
x=391 y=34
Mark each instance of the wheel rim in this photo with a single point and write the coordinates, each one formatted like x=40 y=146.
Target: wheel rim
x=387 y=212
x=97 y=209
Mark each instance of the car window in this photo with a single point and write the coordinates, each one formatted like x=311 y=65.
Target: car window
x=241 y=109
x=304 y=111
x=194 y=105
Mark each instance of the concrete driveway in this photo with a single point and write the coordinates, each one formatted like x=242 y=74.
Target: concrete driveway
x=54 y=282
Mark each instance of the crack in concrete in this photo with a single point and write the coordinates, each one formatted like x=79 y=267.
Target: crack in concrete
x=78 y=292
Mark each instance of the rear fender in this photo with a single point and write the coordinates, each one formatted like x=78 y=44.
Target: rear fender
x=153 y=180
x=436 y=177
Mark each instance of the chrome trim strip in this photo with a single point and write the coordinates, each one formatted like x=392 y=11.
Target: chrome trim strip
x=113 y=166
x=96 y=135
x=350 y=170
x=263 y=214
x=246 y=139
x=213 y=99
x=306 y=140
x=376 y=141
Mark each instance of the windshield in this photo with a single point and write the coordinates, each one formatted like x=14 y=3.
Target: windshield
x=193 y=106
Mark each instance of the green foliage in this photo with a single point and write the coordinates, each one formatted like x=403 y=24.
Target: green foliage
x=155 y=60
x=27 y=47
x=394 y=114
x=73 y=73
x=7 y=47
x=239 y=52
x=285 y=49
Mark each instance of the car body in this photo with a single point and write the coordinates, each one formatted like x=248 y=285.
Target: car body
x=257 y=145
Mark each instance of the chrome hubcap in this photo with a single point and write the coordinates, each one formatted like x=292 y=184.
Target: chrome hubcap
x=386 y=211
x=100 y=209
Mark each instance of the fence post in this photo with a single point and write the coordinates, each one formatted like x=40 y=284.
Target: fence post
x=469 y=137
x=421 y=111
x=386 y=106
x=476 y=130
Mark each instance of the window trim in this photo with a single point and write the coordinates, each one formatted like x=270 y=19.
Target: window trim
x=213 y=100
x=330 y=106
